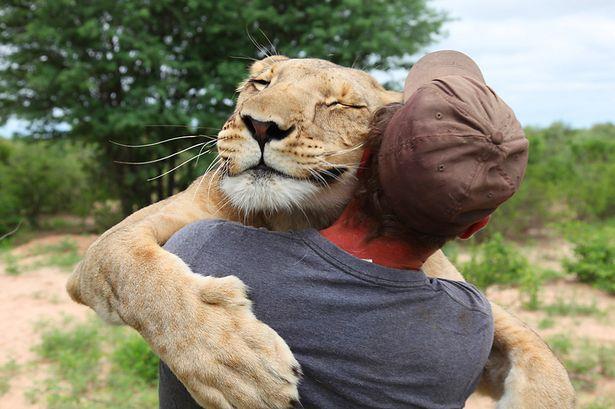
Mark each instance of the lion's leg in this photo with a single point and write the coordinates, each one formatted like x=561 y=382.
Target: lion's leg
x=197 y=325
x=117 y=260
x=536 y=379
x=522 y=372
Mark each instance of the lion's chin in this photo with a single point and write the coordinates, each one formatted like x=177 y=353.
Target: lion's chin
x=251 y=192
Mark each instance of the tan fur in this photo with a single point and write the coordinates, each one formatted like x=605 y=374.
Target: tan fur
x=203 y=327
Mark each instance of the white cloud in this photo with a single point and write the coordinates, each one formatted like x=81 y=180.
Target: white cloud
x=550 y=60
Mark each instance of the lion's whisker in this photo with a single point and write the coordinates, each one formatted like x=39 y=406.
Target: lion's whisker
x=160 y=142
x=213 y=163
x=318 y=176
x=163 y=158
x=178 y=166
x=344 y=151
x=332 y=175
x=260 y=48
x=243 y=58
x=273 y=49
x=213 y=176
x=201 y=150
x=211 y=128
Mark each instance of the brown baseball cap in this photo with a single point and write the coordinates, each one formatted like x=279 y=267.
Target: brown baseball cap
x=454 y=152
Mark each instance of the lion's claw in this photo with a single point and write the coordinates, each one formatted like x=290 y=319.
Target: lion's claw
x=225 y=357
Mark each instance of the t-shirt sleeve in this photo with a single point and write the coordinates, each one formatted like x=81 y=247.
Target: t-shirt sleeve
x=187 y=242
x=467 y=295
x=481 y=327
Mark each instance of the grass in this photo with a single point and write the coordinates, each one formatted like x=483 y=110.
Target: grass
x=94 y=366
x=586 y=361
x=600 y=403
x=7 y=371
x=63 y=254
x=546 y=323
x=573 y=308
x=11 y=262
x=560 y=344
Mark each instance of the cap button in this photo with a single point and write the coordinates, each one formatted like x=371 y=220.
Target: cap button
x=497 y=138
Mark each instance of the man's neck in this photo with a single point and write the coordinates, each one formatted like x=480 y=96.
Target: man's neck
x=352 y=237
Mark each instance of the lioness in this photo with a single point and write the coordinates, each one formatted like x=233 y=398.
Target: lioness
x=203 y=328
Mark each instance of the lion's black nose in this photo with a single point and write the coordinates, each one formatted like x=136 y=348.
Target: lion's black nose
x=263 y=132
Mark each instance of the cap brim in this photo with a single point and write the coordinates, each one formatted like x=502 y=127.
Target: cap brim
x=440 y=64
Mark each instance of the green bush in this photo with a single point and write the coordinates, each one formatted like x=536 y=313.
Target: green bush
x=570 y=176
x=106 y=214
x=133 y=356
x=76 y=351
x=496 y=261
x=591 y=193
x=94 y=366
x=41 y=178
x=594 y=261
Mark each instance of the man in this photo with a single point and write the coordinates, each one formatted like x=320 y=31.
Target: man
x=369 y=329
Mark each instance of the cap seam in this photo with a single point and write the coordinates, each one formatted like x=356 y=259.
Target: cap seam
x=504 y=176
x=422 y=139
x=454 y=105
x=479 y=166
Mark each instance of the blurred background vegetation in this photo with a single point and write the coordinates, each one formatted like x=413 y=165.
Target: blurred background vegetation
x=91 y=76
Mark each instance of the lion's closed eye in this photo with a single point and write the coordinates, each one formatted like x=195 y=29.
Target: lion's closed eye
x=345 y=104
x=259 y=84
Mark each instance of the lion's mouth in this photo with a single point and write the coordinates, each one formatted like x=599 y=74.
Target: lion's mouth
x=320 y=177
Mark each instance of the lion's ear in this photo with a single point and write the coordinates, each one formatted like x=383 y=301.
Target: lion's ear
x=260 y=65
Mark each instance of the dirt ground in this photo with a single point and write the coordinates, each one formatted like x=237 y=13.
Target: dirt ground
x=25 y=300
x=38 y=294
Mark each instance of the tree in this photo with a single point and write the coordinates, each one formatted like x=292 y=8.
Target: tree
x=105 y=70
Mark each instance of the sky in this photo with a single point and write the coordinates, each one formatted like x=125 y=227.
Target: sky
x=550 y=60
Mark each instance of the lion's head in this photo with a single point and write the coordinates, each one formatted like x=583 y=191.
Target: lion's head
x=294 y=142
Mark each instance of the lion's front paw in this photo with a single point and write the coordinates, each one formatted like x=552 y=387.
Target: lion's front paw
x=229 y=359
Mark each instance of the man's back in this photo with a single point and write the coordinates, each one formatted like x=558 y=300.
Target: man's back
x=366 y=336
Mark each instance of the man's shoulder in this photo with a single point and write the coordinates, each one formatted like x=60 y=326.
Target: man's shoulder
x=194 y=236
x=466 y=295
x=225 y=234
x=195 y=232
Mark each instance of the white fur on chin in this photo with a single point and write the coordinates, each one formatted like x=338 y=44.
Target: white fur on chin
x=274 y=193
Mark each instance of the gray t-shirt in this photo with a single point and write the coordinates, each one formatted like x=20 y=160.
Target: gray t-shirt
x=366 y=336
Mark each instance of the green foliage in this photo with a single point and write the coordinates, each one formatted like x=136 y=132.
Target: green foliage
x=572 y=308
x=586 y=361
x=560 y=344
x=63 y=254
x=41 y=178
x=8 y=370
x=570 y=176
x=106 y=214
x=133 y=356
x=107 y=70
x=594 y=250
x=496 y=261
x=83 y=377
x=600 y=403
x=76 y=353
x=11 y=262
x=546 y=323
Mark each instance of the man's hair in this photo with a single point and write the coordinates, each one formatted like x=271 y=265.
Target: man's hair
x=373 y=204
